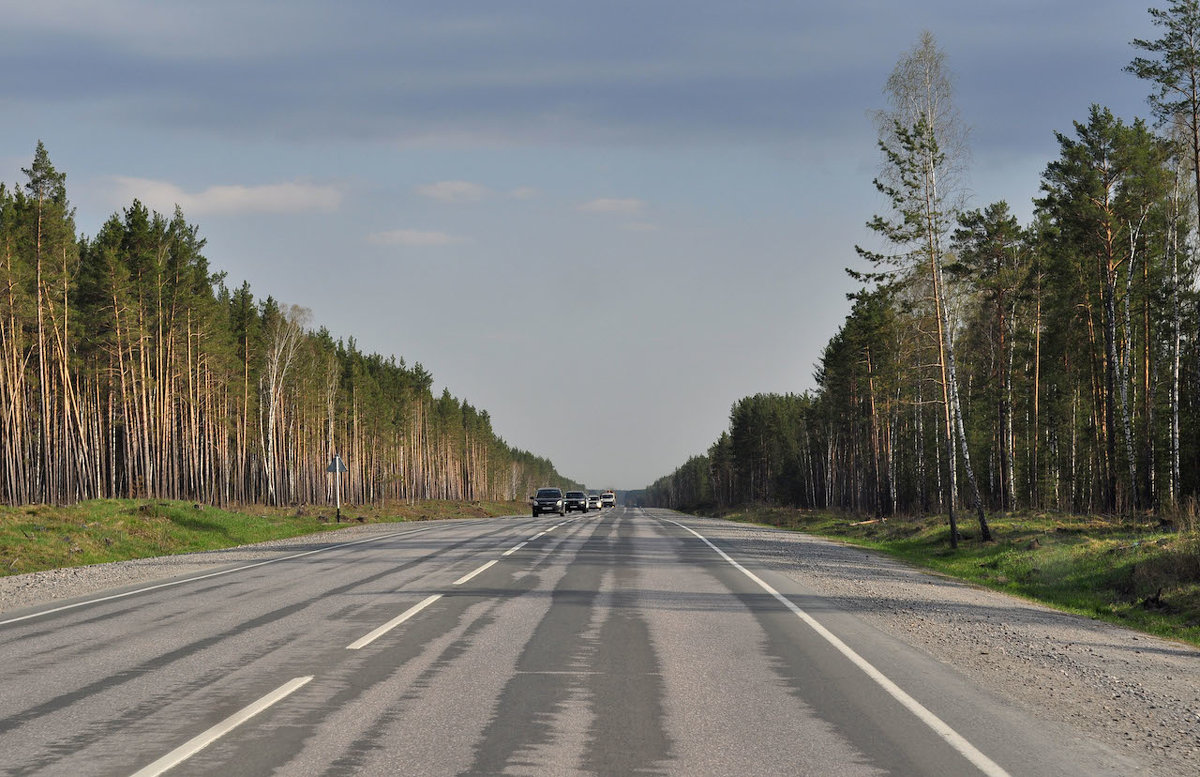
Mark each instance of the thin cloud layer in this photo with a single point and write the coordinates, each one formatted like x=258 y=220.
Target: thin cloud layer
x=453 y=191
x=288 y=197
x=413 y=237
x=629 y=206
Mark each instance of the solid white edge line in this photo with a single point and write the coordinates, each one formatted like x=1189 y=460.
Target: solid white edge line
x=470 y=575
x=514 y=548
x=207 y=576
x=201 y=741
x=940 y=727
x=393 y=623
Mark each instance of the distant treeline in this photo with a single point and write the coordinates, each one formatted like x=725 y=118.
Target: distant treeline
x=129 y=369
x=1054 y=365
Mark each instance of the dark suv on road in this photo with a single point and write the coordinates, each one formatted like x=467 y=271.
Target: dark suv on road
x=549 y=500
x=576 y=500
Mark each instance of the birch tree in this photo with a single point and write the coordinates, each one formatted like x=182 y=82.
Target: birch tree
x=923 y=142
x=284 y=333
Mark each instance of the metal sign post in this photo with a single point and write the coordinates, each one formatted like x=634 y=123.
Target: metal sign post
x=337 y=467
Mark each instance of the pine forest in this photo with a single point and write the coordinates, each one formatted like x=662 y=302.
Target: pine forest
x=129 y=369
x=989 y=365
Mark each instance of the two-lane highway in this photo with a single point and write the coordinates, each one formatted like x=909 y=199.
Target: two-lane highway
x=623 y=642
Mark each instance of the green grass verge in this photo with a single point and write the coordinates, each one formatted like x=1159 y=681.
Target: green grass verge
x=38 y=537
x=1136 y=574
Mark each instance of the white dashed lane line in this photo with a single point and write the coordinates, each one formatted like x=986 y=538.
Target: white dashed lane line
x=470 y=575
x=201 y=741
x=393 y=623
x=410 y=612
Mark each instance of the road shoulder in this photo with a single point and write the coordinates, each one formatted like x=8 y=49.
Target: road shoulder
x=1132 y=692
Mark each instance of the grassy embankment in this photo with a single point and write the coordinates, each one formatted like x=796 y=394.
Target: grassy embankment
x=37 y=537
x=1137 y=573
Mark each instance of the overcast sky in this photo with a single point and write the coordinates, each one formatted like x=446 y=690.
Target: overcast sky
x=603 y=222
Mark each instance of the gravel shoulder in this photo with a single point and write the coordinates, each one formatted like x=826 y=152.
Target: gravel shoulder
x=36 y=588
x=1132 y=692
x=1129 y=691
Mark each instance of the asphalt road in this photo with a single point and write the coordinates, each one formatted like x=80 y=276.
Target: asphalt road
x=624 y=642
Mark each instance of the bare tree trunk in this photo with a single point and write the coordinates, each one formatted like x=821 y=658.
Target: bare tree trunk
x=331 y=387
x=1010 y=450
x=281 y=352
x=1176 y=348
x=922 y=475
x=947 y=412
x=1034 y=468
x=42 y=485
x=876 y=489
x=1125 y=354
x=956 y=413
